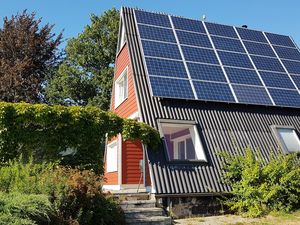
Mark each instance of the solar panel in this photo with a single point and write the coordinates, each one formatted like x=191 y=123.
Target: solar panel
x=252 y=94
x=235 y=59
x=280 y=80
x=188 y=24
x=199 y=55
x=190 y=59
x=296 y=79
x=287 y=53
x=152 y=18
x=171 y=88
x=206 y=72
x=194 y=39
x=221 y=30
x=168 y=68
x=265 y=63
x=228 y=44
x=156 y=33
x=278 y=39
x=242 y=76
x=163 y=50
x=251 y=35
x=283 y=97
x=213 y=91
x=292 y=66
x=259 y=49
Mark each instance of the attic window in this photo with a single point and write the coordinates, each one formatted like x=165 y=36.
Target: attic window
x=121 y=88
x=182 y=142
x=288 y=138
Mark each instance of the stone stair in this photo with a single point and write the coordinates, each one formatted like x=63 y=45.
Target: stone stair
x=139 y=209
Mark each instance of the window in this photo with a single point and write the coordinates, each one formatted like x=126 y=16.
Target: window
x=182 y=141
x=288 y=138
x=112 y=157
x=121 y=88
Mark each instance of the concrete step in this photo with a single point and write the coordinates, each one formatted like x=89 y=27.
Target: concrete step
x=132 y=196
x=140 y=213
x=155 y=220
x=138 y=204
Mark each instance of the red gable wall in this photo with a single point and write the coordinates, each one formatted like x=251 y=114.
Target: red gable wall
x=132 y=152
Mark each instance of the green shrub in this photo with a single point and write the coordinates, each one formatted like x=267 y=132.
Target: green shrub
x=75 y=195
x=31 y=178
x=84 y=203
x=46 y=131
x=21 y=209
x=259 y=187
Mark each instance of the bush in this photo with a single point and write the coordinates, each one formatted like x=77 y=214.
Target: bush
x=22 y=209
x=46 y=131
x=75 y=196
x=84 y=203
x=30 y=178
x=259 y=187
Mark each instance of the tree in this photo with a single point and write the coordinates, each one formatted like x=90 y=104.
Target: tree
x=27 y=53
x=85 y=77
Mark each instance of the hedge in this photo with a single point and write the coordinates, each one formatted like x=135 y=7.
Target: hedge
x=46 y=131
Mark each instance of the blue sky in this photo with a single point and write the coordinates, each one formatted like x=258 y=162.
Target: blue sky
x=277 y=16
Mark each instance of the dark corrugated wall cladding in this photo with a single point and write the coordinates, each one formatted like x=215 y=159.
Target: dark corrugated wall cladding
x=222 y=127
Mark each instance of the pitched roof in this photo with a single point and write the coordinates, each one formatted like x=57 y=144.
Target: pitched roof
x=198 y=60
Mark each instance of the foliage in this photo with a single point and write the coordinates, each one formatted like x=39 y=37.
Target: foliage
x=259 y=187
x=28 y=53
x=46 y=132
x=31 y=178
x=24 y=209
x=85 y=76
x=84 y=203
x=73 y=196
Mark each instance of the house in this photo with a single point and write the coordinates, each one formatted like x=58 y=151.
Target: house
x=206 y=88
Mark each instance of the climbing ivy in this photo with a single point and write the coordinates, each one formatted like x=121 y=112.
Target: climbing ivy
x=47 y=132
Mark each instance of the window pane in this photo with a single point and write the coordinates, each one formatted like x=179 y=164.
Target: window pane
x=190 y=152
x=125 y=86
x=181 y=150
x=179 y=139
x=290 y=139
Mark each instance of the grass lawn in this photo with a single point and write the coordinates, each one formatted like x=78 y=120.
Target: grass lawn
x=272 y=219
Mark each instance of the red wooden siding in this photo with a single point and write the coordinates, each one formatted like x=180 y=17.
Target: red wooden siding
x=129 y=106
x=132 y=153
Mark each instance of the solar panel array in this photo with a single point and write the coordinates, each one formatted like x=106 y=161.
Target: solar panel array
x=192 y=59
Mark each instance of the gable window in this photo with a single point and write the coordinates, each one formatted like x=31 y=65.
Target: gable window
x=182 y=141
x=112 y=157
x=121 y=88
x=288 y=138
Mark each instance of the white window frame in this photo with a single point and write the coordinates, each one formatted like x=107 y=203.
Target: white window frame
x=199 y=150
x=176 y=142
x=282 y=141
x=112 y=160
x=120 y=99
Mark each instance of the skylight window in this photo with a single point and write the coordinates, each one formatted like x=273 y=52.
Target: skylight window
x=182 y=142
x=288 y=138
